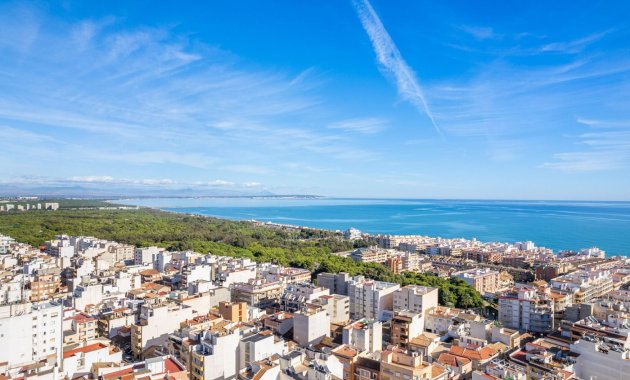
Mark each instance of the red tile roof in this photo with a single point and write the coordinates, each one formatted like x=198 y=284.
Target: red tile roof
x=88 y=348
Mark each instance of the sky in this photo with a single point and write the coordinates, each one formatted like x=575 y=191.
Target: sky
x=396 y=99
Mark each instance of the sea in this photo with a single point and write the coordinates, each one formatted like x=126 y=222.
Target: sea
x=559 y=225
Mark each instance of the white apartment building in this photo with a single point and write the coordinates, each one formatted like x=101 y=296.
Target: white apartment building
x=526 y=309
x=259 y=346
x=5 y=243
x=370 y=298
x=416 y=299
x=584 y=285
x=146 y=255
x=156 y=323
x=601 y=361
x=336 y=305
x=310 y=327
x=336 y=283
x=31 y=332
x=364 y=335
x=161 y=259
x=296 y=296
x=216 y=356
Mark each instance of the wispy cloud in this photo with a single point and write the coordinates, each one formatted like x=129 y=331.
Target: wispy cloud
x=606 y=146
x=391 y=61
x=574 y=46
x=146 y=96
x=478 y=32
x=363 y=126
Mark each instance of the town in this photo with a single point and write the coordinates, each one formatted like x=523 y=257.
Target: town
x=84 y=307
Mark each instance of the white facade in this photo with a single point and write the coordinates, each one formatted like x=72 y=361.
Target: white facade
x=259 y=346
x=364 y=335
x=416 y=299
x=311 y=327
x=146 y=255
x=595 y=363
x=78 y=362
x=31 y=332
x=369 y=298
x=218 y=355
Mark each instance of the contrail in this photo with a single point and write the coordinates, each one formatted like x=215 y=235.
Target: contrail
x=390 y=60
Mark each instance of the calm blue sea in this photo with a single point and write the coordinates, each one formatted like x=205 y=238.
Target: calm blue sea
x=552 y=224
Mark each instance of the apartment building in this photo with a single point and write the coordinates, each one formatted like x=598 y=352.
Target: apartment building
x=415 y=298
x=370 y=255
x=310 y=327
x=217 y=355
x=79 y=361
x=397 y=364
x=233 y=311
x=146 y=255
x=31 y=332
x=5 y=243
x=257 y=293
x=258 y=346
x=601 y=354
x=83 y=328
x=370 y=298
x=336 y=283
x=526 y=309
x=296 y=296
x=483 y=280
x=45 y=284
x=156 y=322
x=336 y=305
x=405 y=326
x=584 y=285
x=122 y=252
x=364 y=335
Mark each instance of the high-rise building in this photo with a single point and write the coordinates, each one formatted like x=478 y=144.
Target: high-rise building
x=526 y=309
x=31 y=332
x=370 y=298
x=415 y=298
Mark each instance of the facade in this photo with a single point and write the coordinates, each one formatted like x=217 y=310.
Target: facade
x=217 y=355
x=526 y=309
x=415 y=298
x=370 y=255
x=310 y=327
x=370 y=298
x=336 y=283
x=233 y=311
x=257 y=293
x=583 y=285
x=401 y=365
x=83 y=328
x=483 y=280
x=257 y=347
x=404 y=327
x=297 y=296
x=364 y=335
x=156 y=322
x=44 y=339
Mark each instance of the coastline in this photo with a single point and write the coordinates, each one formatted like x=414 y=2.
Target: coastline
x=228 y=215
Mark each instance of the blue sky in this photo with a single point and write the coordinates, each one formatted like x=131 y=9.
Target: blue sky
x=510 y=100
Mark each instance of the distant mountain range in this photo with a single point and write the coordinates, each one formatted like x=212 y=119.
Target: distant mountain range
x=116 y=191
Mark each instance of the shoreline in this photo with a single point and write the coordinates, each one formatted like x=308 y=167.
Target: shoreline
x=271 y=224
